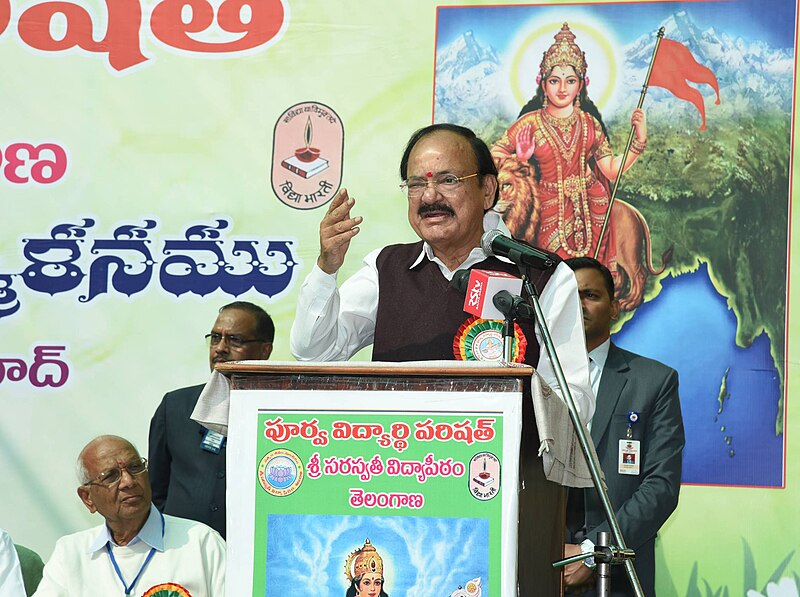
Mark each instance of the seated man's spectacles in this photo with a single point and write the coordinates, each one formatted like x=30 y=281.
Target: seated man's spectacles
x=445 y=184
x=234 y=341
x=112 y=476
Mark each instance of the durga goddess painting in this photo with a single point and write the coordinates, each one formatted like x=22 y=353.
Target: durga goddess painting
x=555 y=163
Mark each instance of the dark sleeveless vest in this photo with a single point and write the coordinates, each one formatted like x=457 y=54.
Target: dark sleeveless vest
x=419 y=313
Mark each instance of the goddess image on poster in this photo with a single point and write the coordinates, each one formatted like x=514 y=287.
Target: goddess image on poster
x=364 y=570
x=555 y=164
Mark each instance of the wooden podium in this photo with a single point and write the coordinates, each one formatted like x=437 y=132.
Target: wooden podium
x=541 y=504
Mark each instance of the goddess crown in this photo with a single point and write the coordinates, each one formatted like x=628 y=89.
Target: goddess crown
x=564 y=52
x=361 y=561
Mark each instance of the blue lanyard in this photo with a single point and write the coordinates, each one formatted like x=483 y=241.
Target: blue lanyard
x=129 y=589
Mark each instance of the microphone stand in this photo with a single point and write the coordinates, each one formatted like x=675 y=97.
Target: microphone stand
x=588 y=451
x=508 y=338
x=605 y=555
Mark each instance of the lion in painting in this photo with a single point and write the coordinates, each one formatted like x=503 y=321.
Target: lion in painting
x=518 y=206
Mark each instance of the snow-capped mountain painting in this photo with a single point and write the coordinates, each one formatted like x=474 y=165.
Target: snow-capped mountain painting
x=471 y=80
x=468 y=81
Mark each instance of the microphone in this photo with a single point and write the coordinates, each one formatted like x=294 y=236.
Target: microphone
x=460 y=280
x=480 y=286
x=494 y=242
x=512 y=306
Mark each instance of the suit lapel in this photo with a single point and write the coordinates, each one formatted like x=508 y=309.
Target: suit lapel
x=612 y=382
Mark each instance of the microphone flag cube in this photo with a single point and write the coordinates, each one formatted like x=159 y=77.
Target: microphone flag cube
x=483 y=285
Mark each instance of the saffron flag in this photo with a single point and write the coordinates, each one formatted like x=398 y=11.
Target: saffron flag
x=674 y=66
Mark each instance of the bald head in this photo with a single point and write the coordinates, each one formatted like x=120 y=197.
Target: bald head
x=101 y=443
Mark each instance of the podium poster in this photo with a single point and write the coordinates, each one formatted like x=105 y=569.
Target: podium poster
x=412 y=491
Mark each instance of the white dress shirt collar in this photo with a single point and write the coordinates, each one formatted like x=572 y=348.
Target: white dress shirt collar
x=597 y=362
x=600 y=354
x=151 y=534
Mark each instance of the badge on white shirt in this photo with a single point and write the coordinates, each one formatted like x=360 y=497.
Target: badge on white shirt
x=629 y=457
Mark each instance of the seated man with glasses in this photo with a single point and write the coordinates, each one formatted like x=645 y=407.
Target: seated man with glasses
x=138 y=550
x=401 y=300
x=187 y=461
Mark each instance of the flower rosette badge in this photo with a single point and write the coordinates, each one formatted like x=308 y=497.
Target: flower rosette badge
x=481 y=339
x=280 y=472
x=169 y=589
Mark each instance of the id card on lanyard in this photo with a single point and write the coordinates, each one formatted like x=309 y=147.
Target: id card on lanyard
x=630 y=455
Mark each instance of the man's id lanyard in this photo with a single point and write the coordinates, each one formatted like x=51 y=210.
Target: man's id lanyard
x=129 y=589
x=629 y=459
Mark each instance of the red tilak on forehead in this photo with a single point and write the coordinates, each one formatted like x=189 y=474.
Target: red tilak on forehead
x=429 y=174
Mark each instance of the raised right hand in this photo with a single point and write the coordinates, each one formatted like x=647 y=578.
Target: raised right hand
x=525 y=144
x=335 y=232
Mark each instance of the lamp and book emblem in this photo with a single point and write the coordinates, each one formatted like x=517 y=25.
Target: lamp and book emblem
x=307 y=155
x=484 y=476
x=306 y=161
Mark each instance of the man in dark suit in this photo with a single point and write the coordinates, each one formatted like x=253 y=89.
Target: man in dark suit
x=187 y=461
x=638 y=432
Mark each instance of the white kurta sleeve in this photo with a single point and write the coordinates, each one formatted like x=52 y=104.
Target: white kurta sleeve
x=333 y=324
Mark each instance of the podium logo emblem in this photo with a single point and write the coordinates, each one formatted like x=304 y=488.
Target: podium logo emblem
x=484 y=476
x=280 y=472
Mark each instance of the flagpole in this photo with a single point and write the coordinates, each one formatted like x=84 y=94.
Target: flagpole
x=607 y=216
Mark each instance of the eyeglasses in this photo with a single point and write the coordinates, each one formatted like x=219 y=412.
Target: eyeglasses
x=445 y=184
x=112 y=476
x=234 y=341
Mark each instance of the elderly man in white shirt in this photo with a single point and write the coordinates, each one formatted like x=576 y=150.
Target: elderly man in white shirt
x=137 y=550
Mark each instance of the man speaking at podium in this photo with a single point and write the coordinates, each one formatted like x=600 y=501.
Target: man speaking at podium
x=401 y=300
